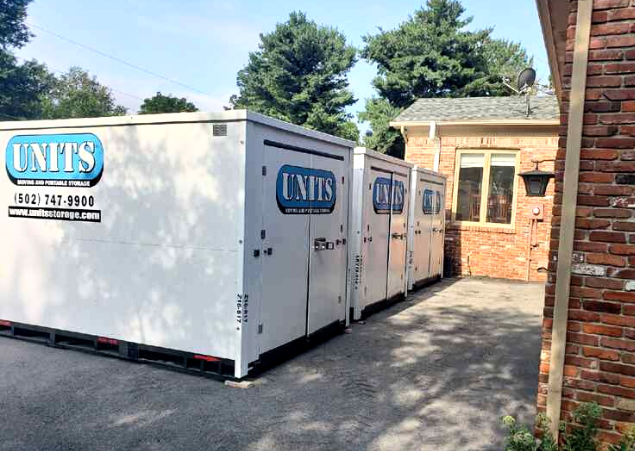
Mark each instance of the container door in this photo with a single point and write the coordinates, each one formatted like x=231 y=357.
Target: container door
x=438 y=230
x=398 y=235
x=328 y=233
x=424 y=244
x=285 y=248
x=413 y=229
x=377 y=214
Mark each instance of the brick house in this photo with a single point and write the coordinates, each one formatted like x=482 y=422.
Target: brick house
x=488 y=139
x=589 y=326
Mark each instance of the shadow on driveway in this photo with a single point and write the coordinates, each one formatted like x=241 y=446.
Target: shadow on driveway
x=434 y=372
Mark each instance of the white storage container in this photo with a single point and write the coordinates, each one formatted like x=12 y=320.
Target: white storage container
x=204 y=240
x=379 y=230
x=426 y=232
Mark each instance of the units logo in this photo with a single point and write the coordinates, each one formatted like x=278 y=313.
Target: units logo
x=431 y=202
x=65 y=160
x=428 y=202
x=305 y=191
x=385 y=198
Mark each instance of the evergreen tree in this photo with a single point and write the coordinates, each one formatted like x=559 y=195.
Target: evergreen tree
x=299 y=75
x=433 y=55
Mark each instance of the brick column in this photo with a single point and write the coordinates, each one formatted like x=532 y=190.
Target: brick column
x=600 y=351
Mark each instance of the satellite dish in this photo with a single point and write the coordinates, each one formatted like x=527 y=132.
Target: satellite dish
x=526 y=79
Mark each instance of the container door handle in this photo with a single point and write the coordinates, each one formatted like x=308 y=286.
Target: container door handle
x=320 y=244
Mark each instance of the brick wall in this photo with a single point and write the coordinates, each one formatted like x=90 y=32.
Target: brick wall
x=490 y=251
x=600 y=362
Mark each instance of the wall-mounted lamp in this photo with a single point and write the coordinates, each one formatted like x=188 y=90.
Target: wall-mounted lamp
x=536 y=181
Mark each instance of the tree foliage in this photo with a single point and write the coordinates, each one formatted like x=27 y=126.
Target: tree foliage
x=22 y=87
x=299 y=75
x=432 y=54
x=77 y=94
x=383 y=138
x=160 y=103
x=30 y=91
x=13 y=30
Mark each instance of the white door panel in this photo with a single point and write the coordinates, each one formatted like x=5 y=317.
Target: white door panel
x=328 y=254
x=426 y=227
x=376 y=237
x=284 y=254
x=438 y=231
x=398 y=235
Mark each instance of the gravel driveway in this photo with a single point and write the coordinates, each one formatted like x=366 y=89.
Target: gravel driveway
x=432 y=373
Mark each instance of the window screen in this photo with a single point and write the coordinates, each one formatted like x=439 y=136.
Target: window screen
x=470 y=183
x=501 y=188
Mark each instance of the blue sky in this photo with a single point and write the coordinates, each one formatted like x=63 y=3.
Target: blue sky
x=203 y=43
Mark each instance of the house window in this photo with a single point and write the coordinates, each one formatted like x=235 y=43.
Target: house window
x=484 y=192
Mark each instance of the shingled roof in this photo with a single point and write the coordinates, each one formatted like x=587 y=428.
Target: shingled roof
x=479 y=109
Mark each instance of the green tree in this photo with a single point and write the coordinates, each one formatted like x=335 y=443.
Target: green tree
x=299 y=75
x=78 y=94
x=382 y=137
x=21 y=85
x=500 y=59
x=166 y=104
x=432 y=54
x=13 y=30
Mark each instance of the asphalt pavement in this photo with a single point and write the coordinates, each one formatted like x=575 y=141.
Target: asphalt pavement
x=435 y=372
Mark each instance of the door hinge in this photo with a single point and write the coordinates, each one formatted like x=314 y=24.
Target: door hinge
x=260 y=328
x=264 y=170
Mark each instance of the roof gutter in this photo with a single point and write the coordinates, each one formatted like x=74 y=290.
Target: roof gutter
x=399 y=124
x=568 y=206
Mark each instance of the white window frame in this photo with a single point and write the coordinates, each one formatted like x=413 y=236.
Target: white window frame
x=487 y=152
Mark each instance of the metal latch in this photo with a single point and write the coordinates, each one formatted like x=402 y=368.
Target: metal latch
x=320 y=244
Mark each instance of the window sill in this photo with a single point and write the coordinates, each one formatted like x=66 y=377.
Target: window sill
x=478 y=227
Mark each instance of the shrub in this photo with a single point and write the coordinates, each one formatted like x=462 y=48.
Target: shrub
x=579 y=437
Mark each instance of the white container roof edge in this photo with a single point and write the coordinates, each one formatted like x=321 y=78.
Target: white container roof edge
x=429 y=171
x=174 y=118
x=389 y=159
x=381 y=156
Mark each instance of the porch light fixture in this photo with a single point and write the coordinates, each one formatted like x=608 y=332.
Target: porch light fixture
x=536 y=181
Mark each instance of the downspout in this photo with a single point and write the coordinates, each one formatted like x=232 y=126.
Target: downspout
x=434 y=134
x=569 y=201
x=404 y=133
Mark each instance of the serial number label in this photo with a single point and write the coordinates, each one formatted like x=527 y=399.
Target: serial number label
x=55 y=200
x=242 y=309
